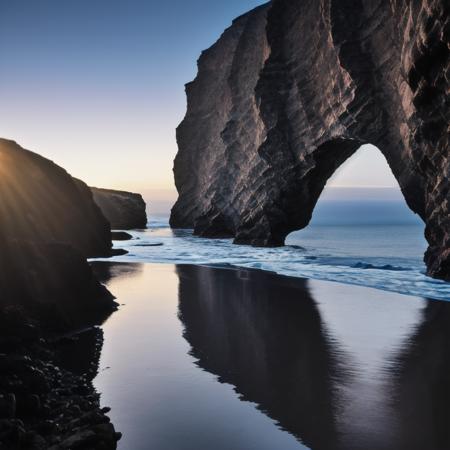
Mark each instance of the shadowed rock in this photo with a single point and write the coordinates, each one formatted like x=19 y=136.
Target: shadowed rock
x=40 y=202
x=290 y=91
x=54 y=283
x=49 y=224
x=124 y=210
x=47 y=400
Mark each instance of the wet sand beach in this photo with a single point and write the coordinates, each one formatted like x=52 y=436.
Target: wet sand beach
x=201 y=357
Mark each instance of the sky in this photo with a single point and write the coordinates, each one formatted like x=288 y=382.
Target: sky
x=98 y=87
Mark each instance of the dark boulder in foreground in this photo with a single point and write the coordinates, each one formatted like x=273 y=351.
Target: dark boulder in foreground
x=291 y=90
x=124 y=210
x=40 y=202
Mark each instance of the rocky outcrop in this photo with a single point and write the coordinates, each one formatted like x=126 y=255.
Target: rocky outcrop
x=291 y=90
x=47 y=399
x=49 y=225
x=53 y=283
x=41 y=203
x=124 y=210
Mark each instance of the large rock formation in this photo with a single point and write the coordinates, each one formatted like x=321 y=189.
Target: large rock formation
x=124 y=210
x=49 y=225
x=291 y=90
x=40 y=203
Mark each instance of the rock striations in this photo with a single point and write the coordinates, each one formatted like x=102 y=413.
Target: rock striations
x=124 y=210
x=291 y=90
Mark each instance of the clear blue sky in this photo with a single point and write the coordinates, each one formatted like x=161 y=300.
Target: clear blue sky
x=98 y=85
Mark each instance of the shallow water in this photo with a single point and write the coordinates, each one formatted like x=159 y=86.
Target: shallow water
x=388 y=257
x=201 y=357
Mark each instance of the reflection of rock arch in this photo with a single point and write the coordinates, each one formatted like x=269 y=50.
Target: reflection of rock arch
x=422 y=394
x=266 y=339
x=280 y=103
x=263 y=334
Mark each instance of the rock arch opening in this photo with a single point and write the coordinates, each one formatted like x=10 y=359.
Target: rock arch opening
x=363 y=191
x=361 y=213
x=289 y=203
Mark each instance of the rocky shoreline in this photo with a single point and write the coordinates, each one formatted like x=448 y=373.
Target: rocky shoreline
x=49 y=225
x=47 y=399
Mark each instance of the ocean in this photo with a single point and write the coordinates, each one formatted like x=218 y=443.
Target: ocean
x=373 y=243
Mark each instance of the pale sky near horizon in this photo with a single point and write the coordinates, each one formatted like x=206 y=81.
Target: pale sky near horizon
x=98 y=87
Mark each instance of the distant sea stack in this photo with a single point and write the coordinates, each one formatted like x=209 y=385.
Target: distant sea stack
x=124 y=210
x=290 y=91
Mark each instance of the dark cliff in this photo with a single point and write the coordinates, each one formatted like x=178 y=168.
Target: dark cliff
x=40 y=202
x=124 y=210
x=291 y=90
x=49 y=225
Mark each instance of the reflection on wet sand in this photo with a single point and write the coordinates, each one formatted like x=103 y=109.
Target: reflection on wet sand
x=422 y=394
x=315 y=365
x=263 y=334
x=339 y=367
x=105 y=271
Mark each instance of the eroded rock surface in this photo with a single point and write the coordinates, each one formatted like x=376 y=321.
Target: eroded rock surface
x=124 y=210
x=291 y=90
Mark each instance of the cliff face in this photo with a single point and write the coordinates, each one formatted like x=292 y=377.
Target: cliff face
x=40 y=202
x=49 y=225
x=291 y=90
x=124 y=210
